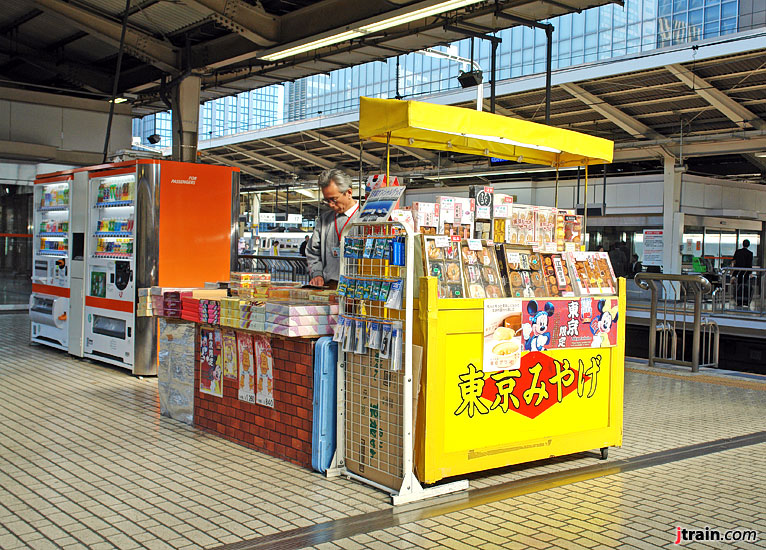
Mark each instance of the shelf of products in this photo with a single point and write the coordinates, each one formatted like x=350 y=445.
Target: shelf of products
x=118 y=246
x=115 y=226
x=53 y=208
x=54 y=234
x=54 y=198
x=115 y=193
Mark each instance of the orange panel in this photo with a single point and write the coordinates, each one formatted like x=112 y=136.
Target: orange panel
x=116 y=172
x=195 y=223
x=106 y=303
x=50 y=290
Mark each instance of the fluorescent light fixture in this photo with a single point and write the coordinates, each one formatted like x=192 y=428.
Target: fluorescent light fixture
x=464 y=175
x=761 y=154
x=119 y=100
x=304 y=192
x=368 y=26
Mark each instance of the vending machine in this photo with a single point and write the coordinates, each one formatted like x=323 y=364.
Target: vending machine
x=151 y=223
x=49 y=302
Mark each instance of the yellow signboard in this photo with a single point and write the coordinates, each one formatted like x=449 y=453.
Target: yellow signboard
x=558 y=402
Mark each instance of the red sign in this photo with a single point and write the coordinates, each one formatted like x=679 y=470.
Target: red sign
x=569 y=323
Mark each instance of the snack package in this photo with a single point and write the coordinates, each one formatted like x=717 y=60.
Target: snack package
x=592 y=273
x=426 y=217
x=545 y=229
x=443 y=262
x=558 y=281
x=521 y=230
x=480 y=271
x=522 y=270
x=456 y=216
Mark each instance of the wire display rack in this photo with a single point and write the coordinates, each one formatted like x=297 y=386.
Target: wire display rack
x=375 y=429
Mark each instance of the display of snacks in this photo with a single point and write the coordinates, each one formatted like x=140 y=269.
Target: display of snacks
x=426 y=217
x=522 y=271
x=113 y=192
x=568 y=231
x=480 y=271
x=545 y=229
x=443 y=262
x=558 y=281
x=521 y=230
x=592 y=272
x=456 y=216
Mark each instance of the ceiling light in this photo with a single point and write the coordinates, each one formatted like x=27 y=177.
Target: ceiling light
x=761 y=154
x=305 y=192
x=368 y=26
x=119 y=100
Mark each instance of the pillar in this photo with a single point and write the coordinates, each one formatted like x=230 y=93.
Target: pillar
x=185 y=102
x=672 y=218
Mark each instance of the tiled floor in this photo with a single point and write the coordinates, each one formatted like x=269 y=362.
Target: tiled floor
x=86 y=461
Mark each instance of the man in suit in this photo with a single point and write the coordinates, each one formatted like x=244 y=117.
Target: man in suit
x=743 y=259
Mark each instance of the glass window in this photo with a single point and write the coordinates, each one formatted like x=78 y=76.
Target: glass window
x=728 y=9
x=665 y=7
x=728 y=25
x=679 y=6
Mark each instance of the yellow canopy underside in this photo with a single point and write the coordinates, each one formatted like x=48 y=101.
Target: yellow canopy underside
x=446 y=128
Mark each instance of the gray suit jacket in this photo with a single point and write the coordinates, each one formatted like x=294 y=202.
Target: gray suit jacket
x=319 y=251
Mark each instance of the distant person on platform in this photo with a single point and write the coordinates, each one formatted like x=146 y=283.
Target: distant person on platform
x=304 y=244
x=635 y=266
x=323 y=250
x=619 y=260
x=743 y=258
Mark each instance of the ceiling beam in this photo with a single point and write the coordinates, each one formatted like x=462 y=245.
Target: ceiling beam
x=741 y=116
x=243 y=167
x=353 y=152
x=138 y=44
x=249 y=21
x=278 y=164
x=634 y=127
x=19 y=21
x=303 y=155
x=758 y=162
x=500 y=110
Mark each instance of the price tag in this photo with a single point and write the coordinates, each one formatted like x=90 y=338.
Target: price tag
x=474 y=244
x=569 y=247
x=513 y=257
x=501 y=210
x=441 y=241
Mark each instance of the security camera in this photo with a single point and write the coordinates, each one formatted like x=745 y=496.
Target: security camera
x=154 y=139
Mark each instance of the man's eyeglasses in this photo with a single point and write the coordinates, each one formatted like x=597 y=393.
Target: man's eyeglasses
x=330 y=202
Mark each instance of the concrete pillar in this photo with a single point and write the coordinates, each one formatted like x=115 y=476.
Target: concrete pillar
x=185 y=102
x=672 y=218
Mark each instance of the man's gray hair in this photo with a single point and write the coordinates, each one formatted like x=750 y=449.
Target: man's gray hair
x=339 y=177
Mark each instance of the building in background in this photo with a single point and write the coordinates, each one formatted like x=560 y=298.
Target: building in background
x=597 y=34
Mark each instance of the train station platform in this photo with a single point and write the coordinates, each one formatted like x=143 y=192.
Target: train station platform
x=86 y=461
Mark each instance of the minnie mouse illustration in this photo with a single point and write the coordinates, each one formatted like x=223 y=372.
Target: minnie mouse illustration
x=601 y=325
x=535 y=333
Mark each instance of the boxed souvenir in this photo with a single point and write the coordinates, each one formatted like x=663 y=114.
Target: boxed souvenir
x=568 y=231
x=592 y=273
x=301 y=308
x=521 y=269
x=545 y=229
x=557 y=278
x=521 y=230
x=442 y=260
x=483 y=200
x=426 y=217
x=480 y=270
x=456 y=216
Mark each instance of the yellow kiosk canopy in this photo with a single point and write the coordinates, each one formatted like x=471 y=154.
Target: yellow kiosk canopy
x=446 y=128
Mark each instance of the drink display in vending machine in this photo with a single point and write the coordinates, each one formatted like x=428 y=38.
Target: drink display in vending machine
x=151 y=223
x=49 y=302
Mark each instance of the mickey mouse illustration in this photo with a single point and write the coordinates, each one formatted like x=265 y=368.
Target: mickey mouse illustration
x=601 y=325
x=535 y=333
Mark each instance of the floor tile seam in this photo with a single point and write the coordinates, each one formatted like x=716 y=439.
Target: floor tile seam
x=702 y=378
x=428 y=510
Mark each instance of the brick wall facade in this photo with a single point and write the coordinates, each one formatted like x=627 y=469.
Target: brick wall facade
x=285 y=430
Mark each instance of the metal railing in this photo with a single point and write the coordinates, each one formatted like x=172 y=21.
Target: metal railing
x=282 y=268
x=742 y=291
x=677 y=333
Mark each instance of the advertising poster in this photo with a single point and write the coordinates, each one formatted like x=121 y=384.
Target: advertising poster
x=229 y=354
x=246 y=367
x=502 y=338
x=210 y=359
x=569 y=323
x=264 y=372
x=380 y=203
x=653 y=245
